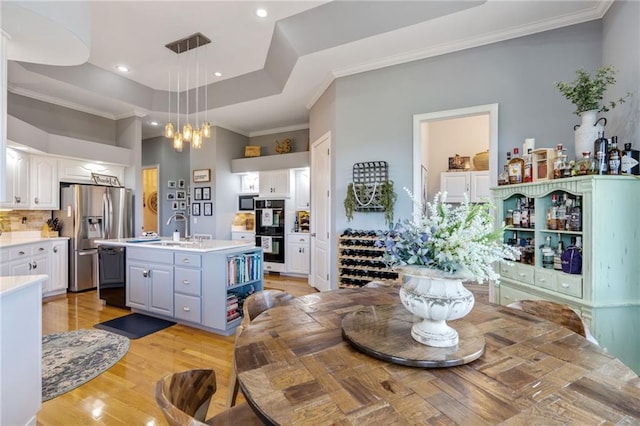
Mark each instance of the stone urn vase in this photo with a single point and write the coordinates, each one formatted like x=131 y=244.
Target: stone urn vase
x=587 y=131
x=436 y=297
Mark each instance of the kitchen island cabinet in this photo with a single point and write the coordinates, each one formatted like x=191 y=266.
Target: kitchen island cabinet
x=191 y=282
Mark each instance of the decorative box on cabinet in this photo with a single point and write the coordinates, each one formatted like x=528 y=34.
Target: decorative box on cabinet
x=605 y=294
x=360 y=261
x=456 y=184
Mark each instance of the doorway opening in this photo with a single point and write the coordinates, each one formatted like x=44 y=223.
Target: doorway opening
x=428 y=161
x=150 y=217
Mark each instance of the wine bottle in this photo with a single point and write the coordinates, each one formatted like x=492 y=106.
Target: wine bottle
x=600 y=154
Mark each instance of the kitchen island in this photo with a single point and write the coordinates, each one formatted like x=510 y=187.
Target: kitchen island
x=196 y=283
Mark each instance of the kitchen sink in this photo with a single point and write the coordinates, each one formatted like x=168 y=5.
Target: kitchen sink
x=173 y=243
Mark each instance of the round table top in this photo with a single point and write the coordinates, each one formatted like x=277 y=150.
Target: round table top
x=294 y=367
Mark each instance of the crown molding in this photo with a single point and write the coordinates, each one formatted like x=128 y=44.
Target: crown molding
x=279 y=130
x=322 y=87
x=57 y=101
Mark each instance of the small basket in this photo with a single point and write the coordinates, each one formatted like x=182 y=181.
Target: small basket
x=252 y=151
x=481 y=160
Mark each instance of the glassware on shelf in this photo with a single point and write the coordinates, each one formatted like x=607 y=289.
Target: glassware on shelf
x=586 y=165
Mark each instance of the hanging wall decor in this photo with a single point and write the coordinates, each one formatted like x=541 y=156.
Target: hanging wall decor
x=371 y=190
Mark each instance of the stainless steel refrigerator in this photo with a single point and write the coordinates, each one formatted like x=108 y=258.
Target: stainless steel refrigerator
x=89 y=213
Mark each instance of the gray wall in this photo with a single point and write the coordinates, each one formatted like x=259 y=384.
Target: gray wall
x=172 y=165
x=621 y=44
x=129 y=135
x=374 y=110
x=268 y=142
x=63 y=121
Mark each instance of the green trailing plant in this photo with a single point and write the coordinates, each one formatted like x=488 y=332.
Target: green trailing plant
x=586 y=92
x=385 y=198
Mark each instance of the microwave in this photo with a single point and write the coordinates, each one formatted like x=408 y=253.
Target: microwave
x=246 y=202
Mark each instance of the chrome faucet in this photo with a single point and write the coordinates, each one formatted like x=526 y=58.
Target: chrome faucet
x=180 y=217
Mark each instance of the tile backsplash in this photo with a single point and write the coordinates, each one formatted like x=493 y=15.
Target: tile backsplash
x=23 y=220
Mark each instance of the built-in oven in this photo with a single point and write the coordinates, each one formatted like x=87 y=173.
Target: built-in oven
x=270 y=229
x=246 y=202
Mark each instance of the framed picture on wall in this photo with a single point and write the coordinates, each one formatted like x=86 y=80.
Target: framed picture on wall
x=181 y=195
x=183 y=205
x=206 y=192
x=175 y=205
x=208 y=209
x=181 y=183
x=171 y=196
x=202 y=175
x=171 y=184
x=195 y=209
x=197 y=193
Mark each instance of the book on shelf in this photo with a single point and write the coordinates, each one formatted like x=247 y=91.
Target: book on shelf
x=232 y=306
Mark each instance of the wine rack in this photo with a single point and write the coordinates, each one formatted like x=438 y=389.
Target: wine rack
x=360 y=261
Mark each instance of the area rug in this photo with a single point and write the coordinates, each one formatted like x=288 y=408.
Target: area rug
x=135 y=325
x=72 y=358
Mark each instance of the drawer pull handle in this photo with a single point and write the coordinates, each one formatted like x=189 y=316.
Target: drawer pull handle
x=186 y=309
x=542 y=280
x=185 y=260
x=21 y=253
x=41 y=249
x=186 y=282
x=564 y=285
x=522 y=274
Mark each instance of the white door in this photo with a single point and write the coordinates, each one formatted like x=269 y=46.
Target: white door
x=320 y=221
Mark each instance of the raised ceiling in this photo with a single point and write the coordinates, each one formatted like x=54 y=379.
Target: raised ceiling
x=274 y=68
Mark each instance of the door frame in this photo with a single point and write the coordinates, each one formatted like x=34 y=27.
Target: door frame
x=418 y=137
x=313 y=176
x=147 y=167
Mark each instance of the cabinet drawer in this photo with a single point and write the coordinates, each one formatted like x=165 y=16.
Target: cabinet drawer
x=545 y=278
x=509 y=295
x=298 y=239
x=569 y=284
x=508 y=271
x=524 y=273
x=187 y=281
x=243 y=236
x=187 y=308
x=147 y=255
x=186 y=259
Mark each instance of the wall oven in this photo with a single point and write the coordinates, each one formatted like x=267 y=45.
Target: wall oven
x=270 y=229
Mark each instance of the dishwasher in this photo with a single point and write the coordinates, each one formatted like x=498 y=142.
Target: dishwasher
x=112 y=275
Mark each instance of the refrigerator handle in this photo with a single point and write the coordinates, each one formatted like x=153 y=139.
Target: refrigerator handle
x=105 y=215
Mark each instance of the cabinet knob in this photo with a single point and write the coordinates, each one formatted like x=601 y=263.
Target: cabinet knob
x=145 y=273
x=35 y=265
x=55 y=249
x=186 y=309
x=36 y=200
x=18 y=200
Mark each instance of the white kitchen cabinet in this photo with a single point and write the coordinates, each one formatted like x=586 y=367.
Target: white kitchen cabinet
x=59 y=277
x=249 y=183
x=17 y=181
x=44 y=191
x=275 y=183
x=474 y=184
x=605 y=292
x=79 y=171
x=301 y=192
x=150 y=280
x=297 y=253
x=27 y=259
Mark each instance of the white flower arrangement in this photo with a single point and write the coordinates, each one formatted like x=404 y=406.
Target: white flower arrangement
x=460 y=241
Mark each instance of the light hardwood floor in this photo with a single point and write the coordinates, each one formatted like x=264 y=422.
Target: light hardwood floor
x=123 y=395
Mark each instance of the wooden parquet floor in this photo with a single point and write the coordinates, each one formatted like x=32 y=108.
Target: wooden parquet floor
x=123 y=395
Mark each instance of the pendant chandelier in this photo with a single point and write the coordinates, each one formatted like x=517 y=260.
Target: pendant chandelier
x=189 y=133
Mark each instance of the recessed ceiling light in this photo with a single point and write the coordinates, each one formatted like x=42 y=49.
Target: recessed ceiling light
x=262 y=13
x=217 y=74
x=154 y=123
x=122 y=68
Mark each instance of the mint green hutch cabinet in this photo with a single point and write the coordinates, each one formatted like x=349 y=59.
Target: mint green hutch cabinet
x=607 y=292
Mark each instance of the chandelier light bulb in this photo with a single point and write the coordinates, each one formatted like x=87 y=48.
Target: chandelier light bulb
x=206 y=130
x=187 y=132
x=168 y=130
x=196 y=143
x=177 y=142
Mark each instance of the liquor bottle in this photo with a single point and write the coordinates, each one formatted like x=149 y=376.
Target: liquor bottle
x=532 y=214
x=528 y=166
x=614 y=156
x=575 y=218
x=562 y=213
x=524 y=213
x=516 y=168
x=552 y=213
x=547 y=253
x=557 y=256
x=630 y=162
x=600 y=154
x=516 y=217
x=503 y=178
x=586 y=165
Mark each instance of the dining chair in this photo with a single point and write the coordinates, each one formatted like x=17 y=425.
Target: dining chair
x=253 y=305
x=184 y=399
x=555 y=312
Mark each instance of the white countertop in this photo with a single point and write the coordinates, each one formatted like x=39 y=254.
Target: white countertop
x=10 y=285
x=8 y=239
x=165 y=243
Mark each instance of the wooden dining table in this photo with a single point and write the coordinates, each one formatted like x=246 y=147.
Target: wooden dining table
x=295 y=368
